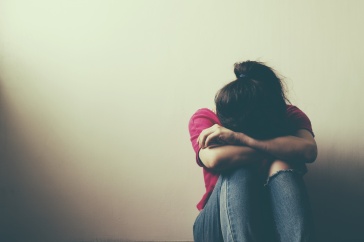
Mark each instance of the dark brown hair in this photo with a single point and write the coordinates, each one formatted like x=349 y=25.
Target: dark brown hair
x=254 y=103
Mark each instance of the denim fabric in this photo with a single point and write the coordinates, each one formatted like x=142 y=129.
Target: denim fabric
x=242 y=209
x=207 y=226
x=290 y=207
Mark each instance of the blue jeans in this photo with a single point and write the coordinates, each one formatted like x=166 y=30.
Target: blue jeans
x=242 y=209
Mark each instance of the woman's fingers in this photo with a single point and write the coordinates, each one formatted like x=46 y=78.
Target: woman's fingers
x=201 y=138
x=218 y=135
x=211 y=138
x=204 y=134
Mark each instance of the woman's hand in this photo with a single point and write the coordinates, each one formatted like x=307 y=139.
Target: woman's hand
x=217 y=135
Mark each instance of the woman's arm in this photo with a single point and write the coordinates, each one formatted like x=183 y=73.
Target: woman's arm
x=229 y=156
x=298 y=147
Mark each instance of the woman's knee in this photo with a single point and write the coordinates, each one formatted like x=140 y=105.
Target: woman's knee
x=243 y=180
x=242 y=173
x=278 y=166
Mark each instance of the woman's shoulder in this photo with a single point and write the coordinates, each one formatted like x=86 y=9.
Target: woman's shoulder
x=298 y=119
x=204 y=111
x=294 y=111
x=205 y=114
x=292 y=108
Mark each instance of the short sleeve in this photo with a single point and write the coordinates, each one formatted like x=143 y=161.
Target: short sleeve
x=298 y=119
x=202 y=119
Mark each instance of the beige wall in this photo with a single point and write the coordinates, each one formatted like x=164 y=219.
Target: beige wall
x=96 y=97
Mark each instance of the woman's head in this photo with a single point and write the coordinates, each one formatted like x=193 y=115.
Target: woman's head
x=254 y=103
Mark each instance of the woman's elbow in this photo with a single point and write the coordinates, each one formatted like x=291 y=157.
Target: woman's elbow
x=209 y=164
x=311 y=153
x=208 y=159
x=215 y=162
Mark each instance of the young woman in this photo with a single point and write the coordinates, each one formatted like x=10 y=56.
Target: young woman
x=253 y=151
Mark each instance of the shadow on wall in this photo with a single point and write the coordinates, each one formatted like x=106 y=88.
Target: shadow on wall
x=22 y=203
x=336 y=187
x=34 y=208
x=34 y=204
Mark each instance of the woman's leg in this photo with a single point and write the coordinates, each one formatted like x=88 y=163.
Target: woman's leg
x=232 y=212
x=207 y=226
x=241 y=201
x=290 y=204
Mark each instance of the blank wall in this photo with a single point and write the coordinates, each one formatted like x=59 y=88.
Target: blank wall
x=95 y=98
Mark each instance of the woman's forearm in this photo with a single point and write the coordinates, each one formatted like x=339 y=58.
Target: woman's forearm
x=301 y=148
x=230 y=156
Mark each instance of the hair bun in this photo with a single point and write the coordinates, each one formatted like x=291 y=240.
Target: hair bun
x=241 y=69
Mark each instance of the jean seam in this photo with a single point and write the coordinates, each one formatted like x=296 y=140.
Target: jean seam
x=203 y=225
x=228 y=211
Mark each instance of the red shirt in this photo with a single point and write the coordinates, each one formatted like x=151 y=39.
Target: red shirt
x=205 y=118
